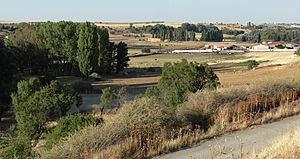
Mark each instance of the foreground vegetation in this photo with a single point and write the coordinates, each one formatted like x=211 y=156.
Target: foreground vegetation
x=145 y=128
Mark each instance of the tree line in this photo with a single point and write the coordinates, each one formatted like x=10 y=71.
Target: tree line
x=187 y=32
x=170 y=33
x=277 y=34
x=212 y=33
x=53 y=49
x=232 y=31
x=67 y=48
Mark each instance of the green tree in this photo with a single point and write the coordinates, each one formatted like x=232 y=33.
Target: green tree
x=212 y=33
x=104 y=53
x=87 y=49
x=121 y=57
x=29 y=57
x=35 y=104
x=180 y=78
x=7 y=82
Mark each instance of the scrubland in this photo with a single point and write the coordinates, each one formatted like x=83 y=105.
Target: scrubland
x=144 y=128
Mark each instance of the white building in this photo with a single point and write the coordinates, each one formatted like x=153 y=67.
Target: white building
x=260 y=47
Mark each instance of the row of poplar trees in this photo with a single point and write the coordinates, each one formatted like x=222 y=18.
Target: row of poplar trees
x=170 y=33
x=81 y=45
x=175 y=35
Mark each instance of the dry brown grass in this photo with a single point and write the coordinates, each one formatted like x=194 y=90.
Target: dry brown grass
x=144 y=128
x=285 y=147
x=137 y=115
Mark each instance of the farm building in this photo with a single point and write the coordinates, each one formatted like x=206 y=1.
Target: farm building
x=261 y=47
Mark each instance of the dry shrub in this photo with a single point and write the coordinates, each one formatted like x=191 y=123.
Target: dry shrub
x=236 y=105
x=200 y=106
x=146 y=145
x=141 y=114
x=197 y=109
x=261 y=99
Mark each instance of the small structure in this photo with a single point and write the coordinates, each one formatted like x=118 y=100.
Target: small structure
x=260 y=47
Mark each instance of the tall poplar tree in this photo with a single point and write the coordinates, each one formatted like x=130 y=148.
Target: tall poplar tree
x=86 y=49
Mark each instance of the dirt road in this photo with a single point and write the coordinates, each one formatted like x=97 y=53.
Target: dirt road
x=242 y=141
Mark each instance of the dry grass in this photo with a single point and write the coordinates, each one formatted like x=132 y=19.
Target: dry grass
x=285 y=147
x=144 y=128
x=137 y=115
x=159 y=60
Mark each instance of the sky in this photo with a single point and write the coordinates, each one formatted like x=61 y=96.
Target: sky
x=226 y=11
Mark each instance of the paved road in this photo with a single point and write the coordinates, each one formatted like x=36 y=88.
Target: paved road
x=251 y=140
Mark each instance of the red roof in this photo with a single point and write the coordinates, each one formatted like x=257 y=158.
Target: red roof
x=271 y=42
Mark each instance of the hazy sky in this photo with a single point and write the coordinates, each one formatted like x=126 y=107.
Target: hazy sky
x=229 y=11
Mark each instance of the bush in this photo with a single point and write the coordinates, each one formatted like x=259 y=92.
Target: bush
x=67 y=126
x=81 y=86
x=146 y=50
x=106 y=98
x=17 y=148
x=252 y=64
x=178 y=79
x=34 y=105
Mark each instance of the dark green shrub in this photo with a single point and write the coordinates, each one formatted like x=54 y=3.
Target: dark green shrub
x=19 y=147
x=34 y=105
x=67 y=126
x=81 y=86
x=252 y=64
x=180 y=78
x=146 y=50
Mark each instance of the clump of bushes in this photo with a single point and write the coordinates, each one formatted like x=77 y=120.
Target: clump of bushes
x=178 y=79
x=252 y=64
x=146 y=50
x=35 y=104
x=19 y=147
x=67 y=126
x=81 y=86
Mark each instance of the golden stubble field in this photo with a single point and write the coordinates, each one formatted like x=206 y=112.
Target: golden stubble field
x=283 y=66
